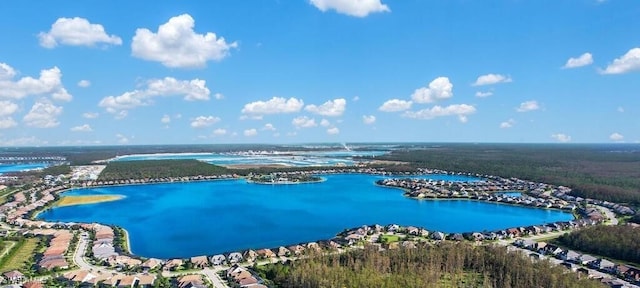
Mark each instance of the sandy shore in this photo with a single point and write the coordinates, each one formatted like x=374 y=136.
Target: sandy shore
x=86 y=199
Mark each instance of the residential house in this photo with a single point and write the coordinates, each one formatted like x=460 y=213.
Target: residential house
x=296 y=249
x=32 y=284
x=603 y=265
x=200 y=261
x=218 y=259
x=437 y=235
x=172 y=264
x=283 y=252
x=188 y=281
x=14 y=276
x=250 y=255
x=151 y=263
x=234 y=257
x=266 y=253
x=586 y=259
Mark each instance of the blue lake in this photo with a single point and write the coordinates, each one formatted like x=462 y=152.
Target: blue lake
x=206 y=218
x=8 y=168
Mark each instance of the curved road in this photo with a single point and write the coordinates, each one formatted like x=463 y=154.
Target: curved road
x=83 y=241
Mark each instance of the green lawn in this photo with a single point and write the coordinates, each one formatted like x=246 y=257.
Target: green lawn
x=20 y=255
x=386 y=238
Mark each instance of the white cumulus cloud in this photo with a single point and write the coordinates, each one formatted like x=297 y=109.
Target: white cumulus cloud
x=507 y=124
x=616 y=137
x=76 y=32
x=583 y=60
x=82 y=128
x=333 y=131
x=528 y=106
x=439 y=89
x=8 y=108
x=177 y=45
x=166 y=119
x=84 y=83
x=250 y=132
x=7 y=122
x=627 y=63
x=191 y=90
x=269 y=127
x=395 y=105
x=304 y=122
x=561 y=137
x=49 y=83
x=325 y=123
x=6 y=72
x=204 y=121
x=481 y=94
x=43 y=114
x=490 y=79
x=219 y=132
x=90 y=115
x=368 y=119
x=357 y=8
x=460 y=110
x=275 y=105
x=331 y=108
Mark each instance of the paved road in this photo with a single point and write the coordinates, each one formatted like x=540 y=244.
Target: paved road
x=8 y=248
x=212 y=274
x=607 y=212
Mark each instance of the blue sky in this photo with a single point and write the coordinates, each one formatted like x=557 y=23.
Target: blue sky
x=300 y=71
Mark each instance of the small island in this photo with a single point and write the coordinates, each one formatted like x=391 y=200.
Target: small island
x=283 y=178
x=86 y=199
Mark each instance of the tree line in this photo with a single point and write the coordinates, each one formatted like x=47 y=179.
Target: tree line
x=150 y=169
x=618 y=242
x=590 y=171
x=441 y=265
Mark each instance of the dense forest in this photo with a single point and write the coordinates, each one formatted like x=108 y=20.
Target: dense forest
x=443 y=265
x=598 y=172
x=618 y=242
x=159 y=169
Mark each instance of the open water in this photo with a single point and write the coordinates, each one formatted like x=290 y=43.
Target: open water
x=207 y=218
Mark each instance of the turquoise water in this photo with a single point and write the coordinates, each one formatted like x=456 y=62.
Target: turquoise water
x=206 y=218
x=296 y=159
x=8 y=168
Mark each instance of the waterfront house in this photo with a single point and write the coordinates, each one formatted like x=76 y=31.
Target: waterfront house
x=151 y=263
x=314 y=246
x=413 y=231
x=199 y=261
x=283 y=252
x=234 y=257
x=250 y=255
x=266 y=253
x=218 y=259
x=172 y=264
x=296 y=249
x=437 y=235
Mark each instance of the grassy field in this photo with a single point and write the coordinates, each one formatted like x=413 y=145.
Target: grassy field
x=386 y=238
x=20 y=255
x=6 y=192
x=86 y=199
